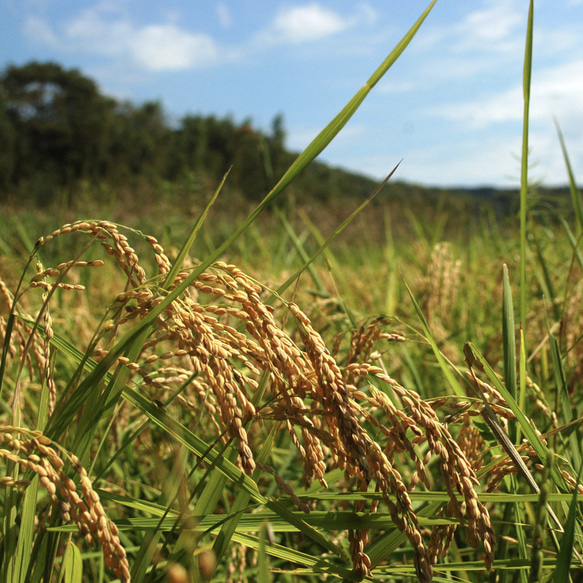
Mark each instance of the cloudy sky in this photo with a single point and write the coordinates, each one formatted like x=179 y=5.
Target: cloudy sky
x=451 y=106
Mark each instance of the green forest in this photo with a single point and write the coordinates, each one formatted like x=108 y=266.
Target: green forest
x=59 y=131
x=64 y=141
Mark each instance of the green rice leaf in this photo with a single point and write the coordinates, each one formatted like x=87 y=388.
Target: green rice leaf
x=562 y=572
x=264 y=576
x=26 y=532
x=568 y=411
x=524 y=161
x=236 y=511
x=509 y=343
x=574 y=243
x=73 y=564
x=443 y=364
x=526 y=426
x=316 y=565
x=200 y=448
x=575 y=194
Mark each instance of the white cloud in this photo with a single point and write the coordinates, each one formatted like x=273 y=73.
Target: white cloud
x=168 y=48
x=224 y=15
x=94 y=30
x=494 y=27
x=487 y=38
x=368 y=14
x=105 y=30
x=389 y=86
x=555 y=91
x=490 y=26
x=299 y=24
x=550 y=42
x=480 y=158
x=501 y=107
x=495 y=122
x=491 y=160
x=40 y=32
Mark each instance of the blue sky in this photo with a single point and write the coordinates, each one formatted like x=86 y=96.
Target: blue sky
x=451 y=106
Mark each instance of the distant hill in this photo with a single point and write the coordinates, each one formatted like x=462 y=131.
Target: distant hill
x=60 y=134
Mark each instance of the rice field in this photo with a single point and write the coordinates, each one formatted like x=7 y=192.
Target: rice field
x=265 y=402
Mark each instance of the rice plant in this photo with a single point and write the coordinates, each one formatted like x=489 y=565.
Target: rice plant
x=167 y=418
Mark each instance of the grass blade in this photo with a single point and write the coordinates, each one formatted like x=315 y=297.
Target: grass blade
x=264 y=575
x=73 y=564
x=524 y=161
x=562 y=572
x=299 y=247
x=574 y=243
x=526 y=426
x=443 y=364
x=522 y=382
x=575 y=195
x=224 y=538
x=568 y=412
x=509 y=343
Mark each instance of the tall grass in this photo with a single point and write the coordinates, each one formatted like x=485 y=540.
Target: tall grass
x=379 y=415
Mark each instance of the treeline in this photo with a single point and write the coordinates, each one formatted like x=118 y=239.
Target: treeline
x=57 y=130
x=62 y=140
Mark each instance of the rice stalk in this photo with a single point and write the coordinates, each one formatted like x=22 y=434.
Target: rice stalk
x=217 y=340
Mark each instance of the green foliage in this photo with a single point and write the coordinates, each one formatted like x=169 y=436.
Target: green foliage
x=190 y=416
x=66 y=145
x=58 y=130
x=58 y=122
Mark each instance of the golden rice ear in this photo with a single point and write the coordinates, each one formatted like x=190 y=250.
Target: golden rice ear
x=35 y=452
x=238 y=366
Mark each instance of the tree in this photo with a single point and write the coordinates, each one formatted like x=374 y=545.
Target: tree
x=57 y=130
x=278 y=157
x=60 y=119
x=8 y=147
x=191 y=146
x=139 y=142
x=278 y=133
x=249 y=171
